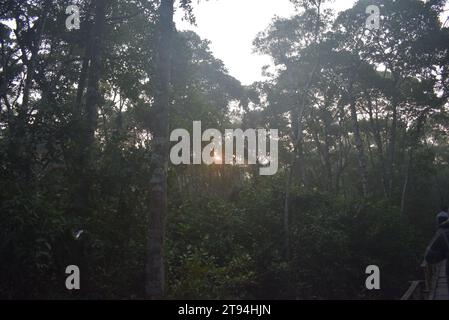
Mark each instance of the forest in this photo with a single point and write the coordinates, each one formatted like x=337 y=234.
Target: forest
x=86 y=114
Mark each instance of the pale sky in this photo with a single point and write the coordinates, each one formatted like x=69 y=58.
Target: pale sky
x=232 y=25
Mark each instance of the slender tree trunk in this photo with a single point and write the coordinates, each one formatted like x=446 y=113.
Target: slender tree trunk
x=413 y=146
x=342 y=159
x=285 y=222
x=155 y=262
x=406 y=181
x=391 y=151
x=361 y=159
x=297 y=137
x=88 y=121
x=93 y=95
x=83 y=204
x=327 y=144
x=296 y=163
x=378 y=140
x=392 y=144
x=81 y=85
x=84 y=67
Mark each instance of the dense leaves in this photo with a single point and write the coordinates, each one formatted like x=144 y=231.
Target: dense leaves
x=364 y=152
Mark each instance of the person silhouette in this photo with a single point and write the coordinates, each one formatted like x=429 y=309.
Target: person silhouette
x=438 y=250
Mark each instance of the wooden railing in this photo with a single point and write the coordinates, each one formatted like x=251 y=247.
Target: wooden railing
x=431 y=272
x=423 y=289
x=415 y=291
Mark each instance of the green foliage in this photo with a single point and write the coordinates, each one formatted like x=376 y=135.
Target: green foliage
x=226 y=233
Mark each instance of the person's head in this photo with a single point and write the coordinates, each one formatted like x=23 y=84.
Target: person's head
x=443 y=216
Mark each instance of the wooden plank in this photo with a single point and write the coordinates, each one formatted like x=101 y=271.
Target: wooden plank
x=441 y=289
x=434 y=287
x=441 y=294
x=414 y=292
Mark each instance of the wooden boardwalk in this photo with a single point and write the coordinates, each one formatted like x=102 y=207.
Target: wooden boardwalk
x=440 y=291
x=433 y=287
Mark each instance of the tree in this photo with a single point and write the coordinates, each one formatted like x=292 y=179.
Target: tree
x=155 y=265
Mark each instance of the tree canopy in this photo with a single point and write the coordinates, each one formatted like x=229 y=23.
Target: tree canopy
x=85 y=179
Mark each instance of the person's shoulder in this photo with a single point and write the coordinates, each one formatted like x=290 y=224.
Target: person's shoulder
x=442 y=214
x=444 y=224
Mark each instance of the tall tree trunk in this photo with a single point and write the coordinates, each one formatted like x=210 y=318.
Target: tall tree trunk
x=88 y=120
x=82 y=207
x=93 y=95
x=297 y=116
x=85 y=66
x=413 y=146
x=344 y=149
x=82 y=84
x=378 y=140
x=86 y=114
x=296 y=163
x=327 y=143
x=392 y=144
x=406 y=180
x=361 y=159
x=392 y=150
x=155 y=262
